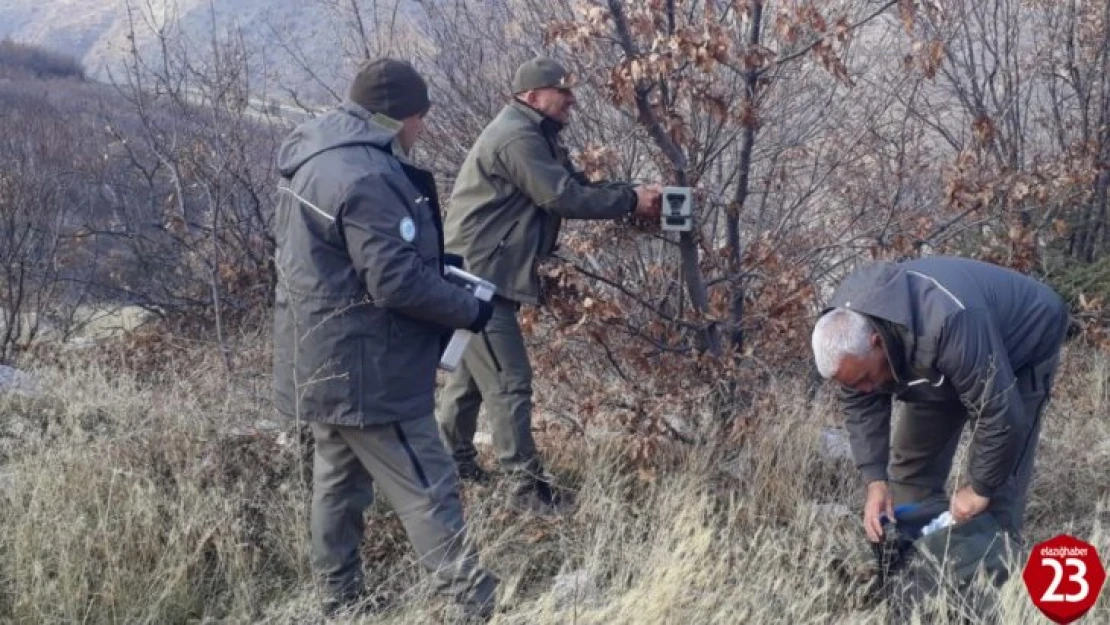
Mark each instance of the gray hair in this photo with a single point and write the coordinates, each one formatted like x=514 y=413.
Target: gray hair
x=839 y=333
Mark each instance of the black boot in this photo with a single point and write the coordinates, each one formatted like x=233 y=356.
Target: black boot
x=538 y=496
x=470 y=471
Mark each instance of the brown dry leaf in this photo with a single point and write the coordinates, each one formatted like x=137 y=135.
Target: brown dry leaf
x=787 y=29
x=934 y=58
x=814 y=18
x=906 y=12
x=983 y=128
x=749 y=116
x=842 y=29
x=716 y=107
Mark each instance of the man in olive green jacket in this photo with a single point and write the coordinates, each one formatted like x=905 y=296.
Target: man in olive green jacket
x=514 y=189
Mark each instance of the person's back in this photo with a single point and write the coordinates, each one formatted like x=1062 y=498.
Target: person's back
x=1021 y=307
x=926 y=299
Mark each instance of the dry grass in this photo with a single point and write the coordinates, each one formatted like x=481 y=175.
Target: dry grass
x=168 y=498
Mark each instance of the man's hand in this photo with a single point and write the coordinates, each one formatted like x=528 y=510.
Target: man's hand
x=967 y=504
x=879 y=502
x=648 y=201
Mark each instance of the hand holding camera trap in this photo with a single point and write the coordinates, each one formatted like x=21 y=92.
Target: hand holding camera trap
x=678 y=209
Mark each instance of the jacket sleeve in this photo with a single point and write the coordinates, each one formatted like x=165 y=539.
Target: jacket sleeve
x=973 y=358
x=528 y=163
x=392 y=269
x=868 y=425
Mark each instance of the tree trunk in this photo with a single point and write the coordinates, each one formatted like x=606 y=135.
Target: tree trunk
x=710 y=339
x=747 y=143
x=1089 y=240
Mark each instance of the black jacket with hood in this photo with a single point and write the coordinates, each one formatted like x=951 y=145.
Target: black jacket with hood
x=954 y=329
x=361 y=304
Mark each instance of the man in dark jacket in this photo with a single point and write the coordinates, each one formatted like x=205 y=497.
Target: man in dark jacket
x=514 y=189
x=953 y=340
x=360 y=315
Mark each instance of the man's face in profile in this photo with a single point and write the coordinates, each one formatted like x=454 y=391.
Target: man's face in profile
x=869 y=373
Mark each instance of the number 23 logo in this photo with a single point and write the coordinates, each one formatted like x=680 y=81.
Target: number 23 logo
x=1079 y=577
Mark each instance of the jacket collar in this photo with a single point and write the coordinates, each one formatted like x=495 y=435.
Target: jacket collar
x=895 y=338
x=894 y=347
x=549 y=126
x=390 y=143
x=383 y=132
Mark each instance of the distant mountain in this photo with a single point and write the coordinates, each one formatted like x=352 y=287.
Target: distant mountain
x=320 y=33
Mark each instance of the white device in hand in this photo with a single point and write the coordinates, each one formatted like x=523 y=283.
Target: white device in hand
x=678 y=209
x=483 y=290
x=942 y=521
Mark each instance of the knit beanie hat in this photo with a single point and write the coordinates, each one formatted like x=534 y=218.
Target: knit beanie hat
x=390 y=87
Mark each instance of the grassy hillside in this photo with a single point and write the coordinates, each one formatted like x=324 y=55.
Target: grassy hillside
x=148 y=480
x=162 y=490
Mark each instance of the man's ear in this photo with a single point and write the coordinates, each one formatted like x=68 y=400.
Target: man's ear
x=876 y=340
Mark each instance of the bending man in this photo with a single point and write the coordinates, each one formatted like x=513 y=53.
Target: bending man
x=954 y=340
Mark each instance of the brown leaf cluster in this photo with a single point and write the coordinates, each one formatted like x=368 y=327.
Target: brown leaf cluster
x=973 y=183
x=802 y=24
x=598 y=162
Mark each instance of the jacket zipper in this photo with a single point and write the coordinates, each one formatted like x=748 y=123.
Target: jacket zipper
x=501 y=243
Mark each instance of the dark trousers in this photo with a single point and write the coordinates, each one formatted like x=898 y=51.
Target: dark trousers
x=408 y=463
x=926 y=435
x=495 y=371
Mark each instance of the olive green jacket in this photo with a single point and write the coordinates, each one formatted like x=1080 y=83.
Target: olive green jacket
x=514 y=189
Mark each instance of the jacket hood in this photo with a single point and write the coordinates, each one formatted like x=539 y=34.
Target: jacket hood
x=894 y=347
x=347 y=124
x=882 y=293
x=881 y=290
x=885 y=294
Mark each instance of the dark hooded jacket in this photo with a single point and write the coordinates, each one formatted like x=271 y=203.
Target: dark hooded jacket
x=955 y=330
x=361 y=305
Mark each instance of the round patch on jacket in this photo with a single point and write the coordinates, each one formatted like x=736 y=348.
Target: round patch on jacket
x=408 y=229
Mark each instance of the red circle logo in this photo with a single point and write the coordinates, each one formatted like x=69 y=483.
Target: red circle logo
x=1064 y=577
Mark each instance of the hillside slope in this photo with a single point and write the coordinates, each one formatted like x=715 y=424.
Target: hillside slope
x=95 y=32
